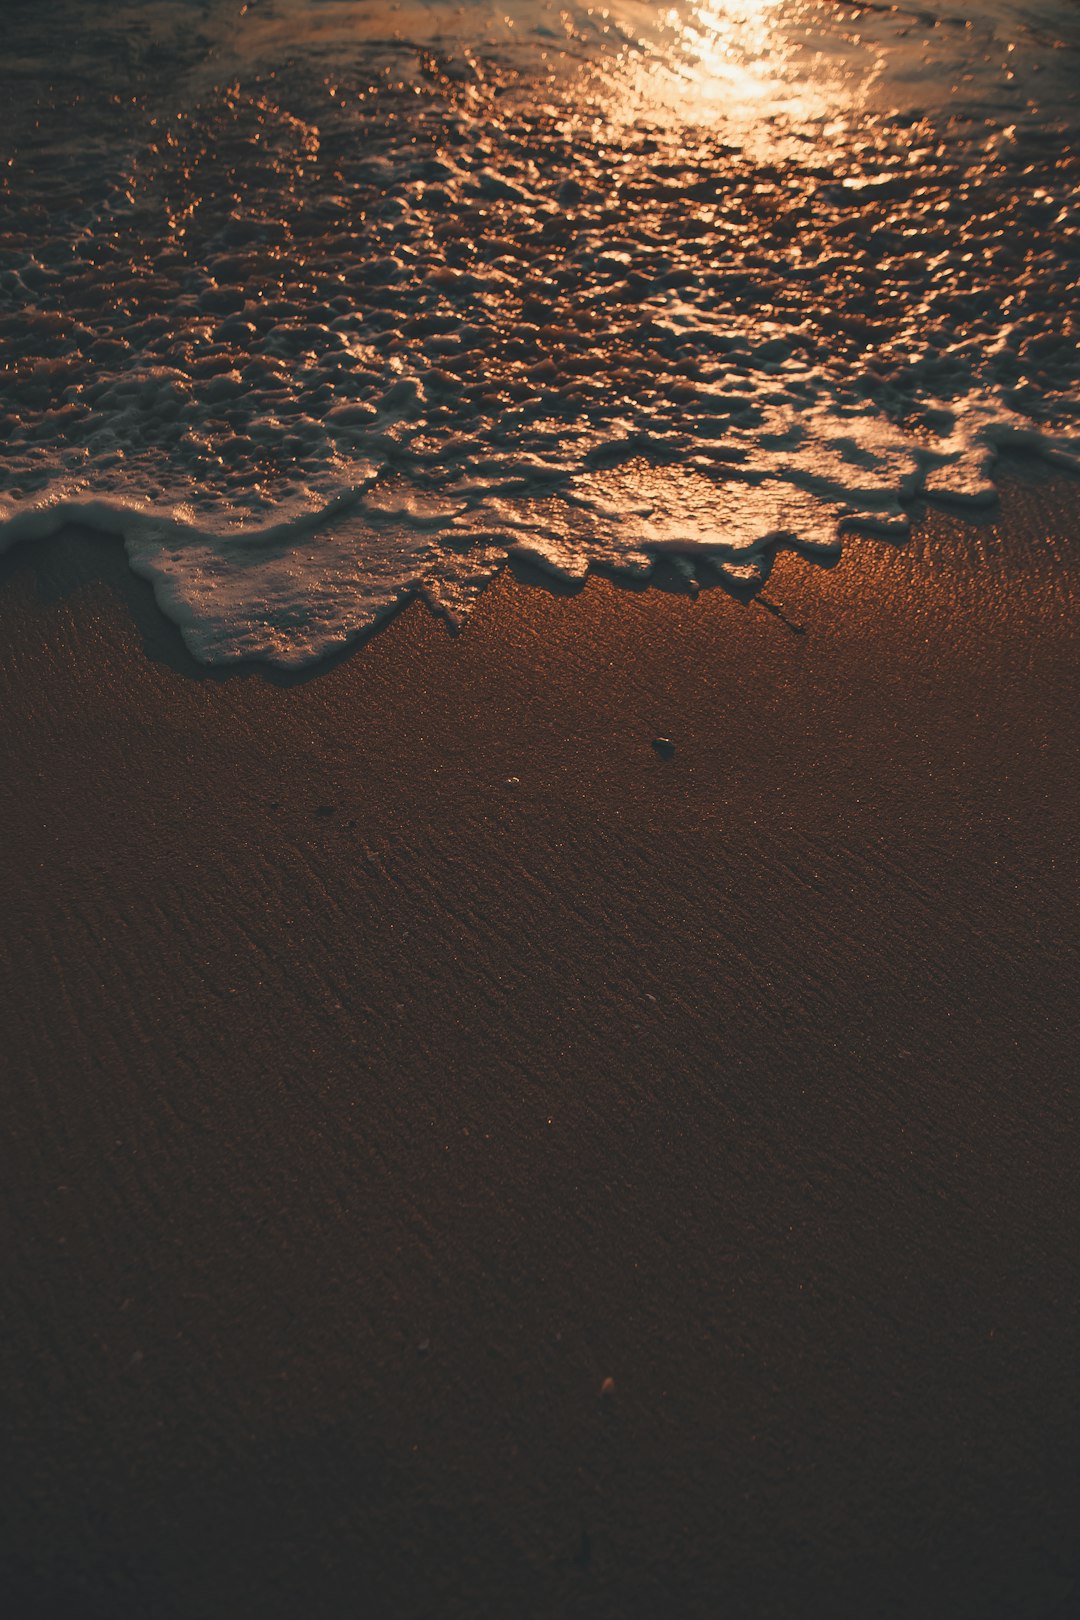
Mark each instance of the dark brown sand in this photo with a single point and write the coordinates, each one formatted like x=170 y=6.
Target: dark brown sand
x=366 y=1112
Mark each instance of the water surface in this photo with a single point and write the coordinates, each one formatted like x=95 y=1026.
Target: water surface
x=323 y=304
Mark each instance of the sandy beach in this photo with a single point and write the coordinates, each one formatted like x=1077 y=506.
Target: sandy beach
x=459 y=1163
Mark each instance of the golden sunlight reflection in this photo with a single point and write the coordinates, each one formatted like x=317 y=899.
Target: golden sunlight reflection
x=754 y=67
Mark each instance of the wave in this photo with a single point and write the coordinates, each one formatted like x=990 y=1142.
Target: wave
x=312 y=343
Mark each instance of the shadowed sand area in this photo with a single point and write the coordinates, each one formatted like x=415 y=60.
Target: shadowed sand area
x=365 y=1111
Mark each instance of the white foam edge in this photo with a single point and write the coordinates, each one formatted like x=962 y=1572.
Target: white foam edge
x=969 y=455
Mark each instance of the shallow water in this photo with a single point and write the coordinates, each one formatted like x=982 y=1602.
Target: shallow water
x=323 y=304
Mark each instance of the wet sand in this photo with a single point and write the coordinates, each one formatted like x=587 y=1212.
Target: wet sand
x=397 y=1056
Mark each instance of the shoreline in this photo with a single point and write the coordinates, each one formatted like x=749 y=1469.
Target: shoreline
x=405 y=1049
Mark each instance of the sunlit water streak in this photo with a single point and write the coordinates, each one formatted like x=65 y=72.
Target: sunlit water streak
x=323 y=304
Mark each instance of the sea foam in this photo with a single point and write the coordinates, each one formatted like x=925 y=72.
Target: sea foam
x=321 y=320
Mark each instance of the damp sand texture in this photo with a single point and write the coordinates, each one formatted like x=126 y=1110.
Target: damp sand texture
x=366 y=1111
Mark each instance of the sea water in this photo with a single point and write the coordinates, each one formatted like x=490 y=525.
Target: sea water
x=324 y=304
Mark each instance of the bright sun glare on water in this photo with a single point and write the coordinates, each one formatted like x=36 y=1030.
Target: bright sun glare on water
x=731 y=50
